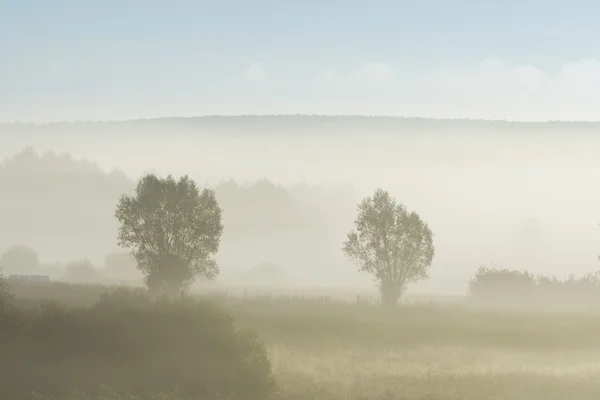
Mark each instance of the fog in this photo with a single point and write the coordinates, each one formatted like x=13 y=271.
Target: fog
x=274 y=200
x=513 y=196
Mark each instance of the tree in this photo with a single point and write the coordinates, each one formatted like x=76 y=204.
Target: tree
x=81 y=271
x=172 y=229
x=390 y=243
x=20 y=260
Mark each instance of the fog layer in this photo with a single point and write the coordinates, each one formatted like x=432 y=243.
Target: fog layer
x=517 y=198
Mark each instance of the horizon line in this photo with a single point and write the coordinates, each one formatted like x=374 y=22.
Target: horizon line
x=207 y=116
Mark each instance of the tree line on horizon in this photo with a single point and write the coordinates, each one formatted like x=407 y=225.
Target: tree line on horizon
x=405 y=242
x=44 y=197
x=173 y=230
x=216 y=122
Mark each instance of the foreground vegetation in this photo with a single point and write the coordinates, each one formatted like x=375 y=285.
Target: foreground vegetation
x=324 y=350
x=131 y=344
x=94 y=342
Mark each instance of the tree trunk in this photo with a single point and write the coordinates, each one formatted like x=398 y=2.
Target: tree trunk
x=154 y=284
x=174 y=288
x=390 y=294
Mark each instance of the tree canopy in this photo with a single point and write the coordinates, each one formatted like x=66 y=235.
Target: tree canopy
x=392 y=244
x=20 y=260
x=172 y=229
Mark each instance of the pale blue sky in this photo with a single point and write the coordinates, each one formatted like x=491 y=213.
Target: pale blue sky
x=122 y=59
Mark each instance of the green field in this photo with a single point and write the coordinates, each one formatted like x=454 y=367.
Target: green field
x=327 y=350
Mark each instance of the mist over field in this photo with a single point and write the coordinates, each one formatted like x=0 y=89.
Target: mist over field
x=309 y=200
x=520 y=196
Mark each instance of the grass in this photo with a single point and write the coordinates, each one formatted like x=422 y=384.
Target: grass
x=433 y=373
x=324 y=350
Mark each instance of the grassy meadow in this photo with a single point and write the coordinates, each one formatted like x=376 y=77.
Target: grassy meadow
x=322 y=349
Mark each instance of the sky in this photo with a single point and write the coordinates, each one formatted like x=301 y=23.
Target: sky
x=106 y=60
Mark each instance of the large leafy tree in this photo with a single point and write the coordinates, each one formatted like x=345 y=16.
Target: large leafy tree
x=172 y=229
x=392 y=244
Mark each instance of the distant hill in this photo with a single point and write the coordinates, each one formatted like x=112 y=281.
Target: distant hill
x=273 y=124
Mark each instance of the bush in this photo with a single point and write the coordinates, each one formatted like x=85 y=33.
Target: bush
x=133 y=345
x=492 y=285
x=5 y=295
x=503 y=287
x=81 y=271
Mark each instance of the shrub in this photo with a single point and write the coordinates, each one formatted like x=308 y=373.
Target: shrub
x=502 y=286
x=81 y=271
x=5 y=295
x=133 y=345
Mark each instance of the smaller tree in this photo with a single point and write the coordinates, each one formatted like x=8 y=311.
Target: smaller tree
x=20 y=260
x=392 y=244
